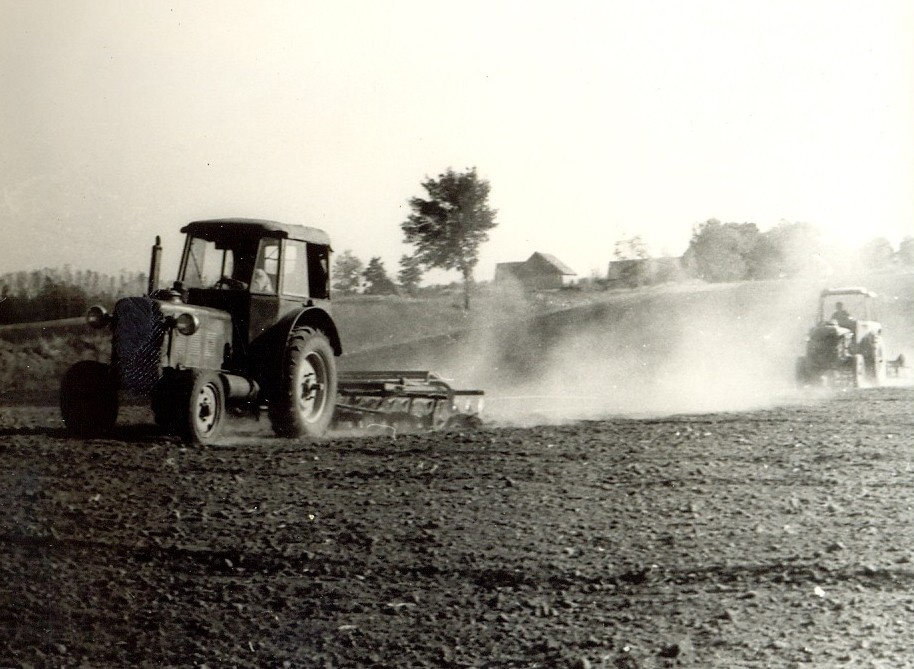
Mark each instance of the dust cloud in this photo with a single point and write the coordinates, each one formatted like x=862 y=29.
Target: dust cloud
x=713 y=349
x=671 y=349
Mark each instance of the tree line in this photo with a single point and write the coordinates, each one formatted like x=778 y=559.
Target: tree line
x=351 y=275
x=739 y=251
x=446 y=229
x=720 y=252
x=53 y=293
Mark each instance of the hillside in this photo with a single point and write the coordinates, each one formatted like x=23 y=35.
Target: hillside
x=668 y=349
x=33 y=356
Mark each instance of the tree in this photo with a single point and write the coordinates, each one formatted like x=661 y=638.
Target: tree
x=60 y=300
x=877 y=254
x=448 y=227
x=347 y=272
x=721 y=251
x=632 y=248
x=410 y=274
x=376 y=280
x=788 y=249
x=906 y=251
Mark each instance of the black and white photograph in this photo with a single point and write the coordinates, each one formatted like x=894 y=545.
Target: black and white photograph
x=479 y=334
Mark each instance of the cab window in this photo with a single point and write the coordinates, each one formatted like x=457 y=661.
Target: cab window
x=266 y=267
x=319 y=271
x=295 y=268
x=205 y=263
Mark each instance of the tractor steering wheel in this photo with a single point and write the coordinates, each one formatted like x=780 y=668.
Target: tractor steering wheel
x=231 y=284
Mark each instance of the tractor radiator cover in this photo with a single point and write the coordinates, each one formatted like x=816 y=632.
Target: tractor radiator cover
x=207 y=348
x=136 y=347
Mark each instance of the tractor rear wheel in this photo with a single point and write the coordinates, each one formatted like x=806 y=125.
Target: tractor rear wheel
x=859 y=370
x=202 y=409
x=306 y=398
x=879 y=373
x=876 y=365
x=802 y=371
x=88 y=398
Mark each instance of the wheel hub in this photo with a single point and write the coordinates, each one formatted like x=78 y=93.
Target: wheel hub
x=206 y=413
x=311 y=396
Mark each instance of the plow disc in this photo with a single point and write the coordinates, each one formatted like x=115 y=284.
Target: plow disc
x=405 y=401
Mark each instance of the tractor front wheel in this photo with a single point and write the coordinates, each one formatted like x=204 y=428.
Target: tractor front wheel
x=166 y=405
x=203 y=410
x=306 y=398
x=88 y=398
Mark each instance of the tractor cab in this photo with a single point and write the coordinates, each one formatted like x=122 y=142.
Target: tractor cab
x=853 y=309
x=845 y=343
x=257 y=271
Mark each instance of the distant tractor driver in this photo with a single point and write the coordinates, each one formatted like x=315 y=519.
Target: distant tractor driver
x=842 y=316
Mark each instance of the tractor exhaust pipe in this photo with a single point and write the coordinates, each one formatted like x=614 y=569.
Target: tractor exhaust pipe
x=155 y=265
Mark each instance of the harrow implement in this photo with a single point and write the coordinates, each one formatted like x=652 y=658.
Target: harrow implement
x=404 y=400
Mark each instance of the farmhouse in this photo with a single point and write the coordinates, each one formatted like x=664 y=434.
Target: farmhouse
x=539 y=271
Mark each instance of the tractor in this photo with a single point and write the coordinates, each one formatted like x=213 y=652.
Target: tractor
x=246 y=327
x=845 y=346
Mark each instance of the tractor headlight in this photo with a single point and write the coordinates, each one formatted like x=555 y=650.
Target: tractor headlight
x=97 y=317
x=187 y=324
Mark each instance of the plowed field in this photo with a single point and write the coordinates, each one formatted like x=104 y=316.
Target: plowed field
x=777 y=537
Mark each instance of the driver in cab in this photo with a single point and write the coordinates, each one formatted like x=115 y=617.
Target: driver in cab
x=842 y=316
x=262 y=283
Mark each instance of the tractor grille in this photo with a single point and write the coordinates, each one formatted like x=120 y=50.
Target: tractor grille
x=827 y=347
x=136 y=349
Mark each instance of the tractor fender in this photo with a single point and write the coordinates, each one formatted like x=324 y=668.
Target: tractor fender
x=268 y=350
x=320 y=319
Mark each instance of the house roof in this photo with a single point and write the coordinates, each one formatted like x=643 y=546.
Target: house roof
x=555 y=262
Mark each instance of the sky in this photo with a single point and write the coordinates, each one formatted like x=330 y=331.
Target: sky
x=592 y=121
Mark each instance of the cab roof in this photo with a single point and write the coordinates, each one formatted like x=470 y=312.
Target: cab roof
x=851 y=290
x=227 y=228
